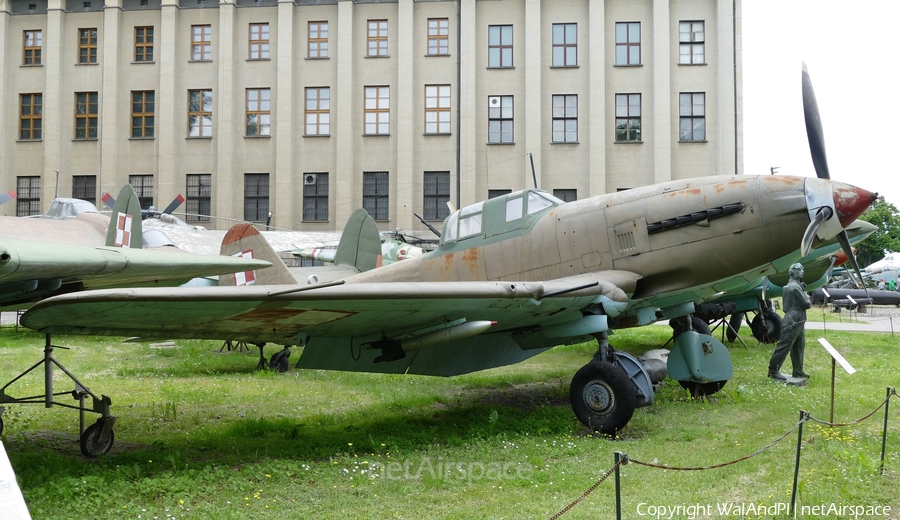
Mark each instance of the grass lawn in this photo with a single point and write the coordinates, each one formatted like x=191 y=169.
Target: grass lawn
x=201 y=434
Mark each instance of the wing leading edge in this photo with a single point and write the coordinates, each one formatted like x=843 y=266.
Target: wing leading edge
x=339 y=324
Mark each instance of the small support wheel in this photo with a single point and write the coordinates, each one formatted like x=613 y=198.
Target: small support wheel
x=93 y=442
x=702 y=389
x=766 y=327
x=602 y=397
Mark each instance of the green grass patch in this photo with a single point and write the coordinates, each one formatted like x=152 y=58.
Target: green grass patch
x=202 y=434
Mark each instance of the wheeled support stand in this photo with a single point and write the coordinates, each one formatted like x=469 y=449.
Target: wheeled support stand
x=97 y=438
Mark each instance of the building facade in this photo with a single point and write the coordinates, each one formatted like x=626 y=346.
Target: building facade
x=309 y=109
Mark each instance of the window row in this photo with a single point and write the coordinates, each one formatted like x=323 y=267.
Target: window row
x=376 y=112
x=564 y=42
x=198 y=194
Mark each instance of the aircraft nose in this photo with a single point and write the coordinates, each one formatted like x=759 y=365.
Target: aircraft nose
x=850 y=202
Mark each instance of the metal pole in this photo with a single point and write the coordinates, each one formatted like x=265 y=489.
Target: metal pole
x=797 y=463
x=887 y=404
x=48 y=373
x=831 y=420
x=618 y=456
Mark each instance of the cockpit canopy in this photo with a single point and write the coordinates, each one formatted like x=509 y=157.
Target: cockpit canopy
x=62 y=208
x=497 y=215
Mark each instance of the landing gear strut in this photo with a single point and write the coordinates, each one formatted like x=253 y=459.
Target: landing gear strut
x=97 y=438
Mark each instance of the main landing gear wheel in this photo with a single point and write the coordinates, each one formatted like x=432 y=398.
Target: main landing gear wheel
x=602 y=397
x=93 y=442
x=766 y=327
x=702 y=389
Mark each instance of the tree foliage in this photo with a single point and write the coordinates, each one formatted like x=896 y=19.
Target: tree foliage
x=887 y=238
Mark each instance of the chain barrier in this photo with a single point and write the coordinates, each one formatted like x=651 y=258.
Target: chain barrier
x=714 y=466
x=590 y=489
x=826 y=423
x=626 y=459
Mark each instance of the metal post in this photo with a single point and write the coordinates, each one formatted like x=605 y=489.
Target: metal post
x=887 y=404
x=833 y=363
x=618 y=456
x=48 y=373
x=797 y=463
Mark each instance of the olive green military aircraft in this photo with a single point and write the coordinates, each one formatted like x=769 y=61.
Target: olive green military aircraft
x=514 y=276
x=74 y=247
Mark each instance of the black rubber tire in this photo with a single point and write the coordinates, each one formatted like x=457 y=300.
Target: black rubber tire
x=91 y=443
x=1 y=425
x=735 y=322
x=766 y=327
x=698 y=325
x=602 y=397
x=702 y=389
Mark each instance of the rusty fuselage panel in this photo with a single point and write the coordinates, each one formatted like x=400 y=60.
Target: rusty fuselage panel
x=611 y=232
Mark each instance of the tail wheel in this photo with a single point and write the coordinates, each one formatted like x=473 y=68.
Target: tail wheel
x=602 y=397
x=93 y=442
x=766 y=327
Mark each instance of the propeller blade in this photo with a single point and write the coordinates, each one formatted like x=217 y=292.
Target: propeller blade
x=173 y=205
x=814 y=127
x=806 y=244
x=848 y=250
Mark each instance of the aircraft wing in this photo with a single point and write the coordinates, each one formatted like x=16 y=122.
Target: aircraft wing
x=342 y=322
x=30 y=268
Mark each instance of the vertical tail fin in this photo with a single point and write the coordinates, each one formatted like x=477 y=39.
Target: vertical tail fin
x=125 y=221
x=360 y=244
x=244 y=240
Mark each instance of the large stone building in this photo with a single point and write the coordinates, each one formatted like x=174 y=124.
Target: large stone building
x=312 y=108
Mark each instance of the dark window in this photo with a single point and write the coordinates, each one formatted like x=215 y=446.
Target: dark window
x=143 y=105
x=143 y=44
x=436 y=195
x=198 y=203
x=86 y=115
x=628 y=43
x=31 y=109
x=628 y=117
x=84 y=187
x=143 y=188
x=500 y=46
x=565 y=44
x=315 y=197
x=256 y=197
x=692 y=112
x=566 y=195
x=28 y=201
x=498 y=193
x=375 y=194
x=87 y=45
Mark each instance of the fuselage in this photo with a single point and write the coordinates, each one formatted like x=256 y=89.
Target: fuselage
x=703 y=235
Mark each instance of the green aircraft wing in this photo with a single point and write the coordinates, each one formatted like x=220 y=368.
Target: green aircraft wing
x=31 y=268
x=348 y=326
